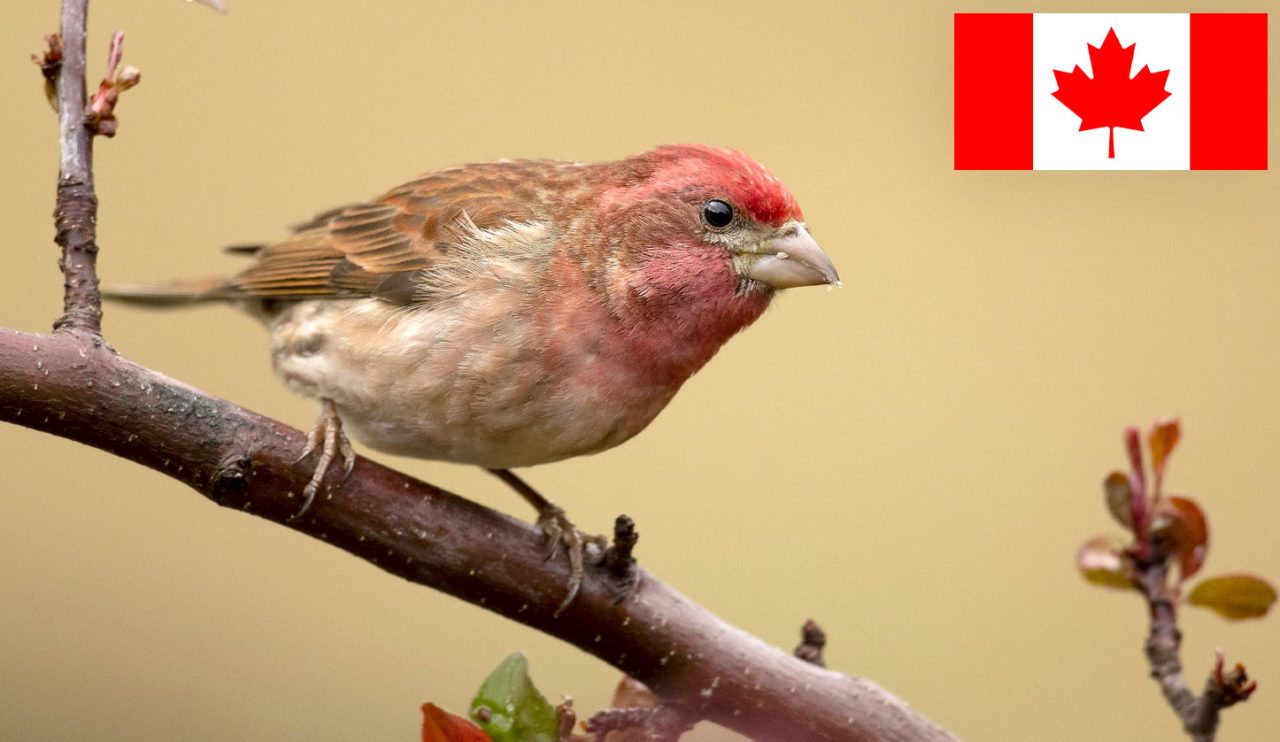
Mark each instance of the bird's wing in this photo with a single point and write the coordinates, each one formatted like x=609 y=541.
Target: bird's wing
x=380 y=248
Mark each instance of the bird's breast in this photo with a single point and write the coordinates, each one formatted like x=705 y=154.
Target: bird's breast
x=487 y=382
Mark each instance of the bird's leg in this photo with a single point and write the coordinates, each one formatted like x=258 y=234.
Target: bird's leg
x=558 y=530
x=328 y=436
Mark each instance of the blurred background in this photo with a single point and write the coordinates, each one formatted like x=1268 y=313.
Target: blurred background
x=911 y=460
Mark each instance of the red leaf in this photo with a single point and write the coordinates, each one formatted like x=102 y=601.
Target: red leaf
x=439 y=725
x=1179 y=524
x=1137 y=483
x=1162 y=439
x=1111 y=98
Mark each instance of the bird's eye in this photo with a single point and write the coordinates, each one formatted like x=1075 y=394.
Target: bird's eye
x=717 y=214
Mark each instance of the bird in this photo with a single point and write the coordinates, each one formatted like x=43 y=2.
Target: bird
x=517 y=312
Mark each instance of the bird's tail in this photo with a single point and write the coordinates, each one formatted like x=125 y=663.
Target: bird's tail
x=170 y=293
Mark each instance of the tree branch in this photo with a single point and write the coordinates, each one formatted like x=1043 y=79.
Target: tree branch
x=79 y=388
x=76 y=211
x=1199 y=714
x=1162 y=646
x=71 y=384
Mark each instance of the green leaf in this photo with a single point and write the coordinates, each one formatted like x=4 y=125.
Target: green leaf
x=510 y=709
x=1116 y=487
x=1101 y=561
x=1234 y=597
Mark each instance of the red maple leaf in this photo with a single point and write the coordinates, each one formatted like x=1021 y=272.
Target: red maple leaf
x=1111 y=98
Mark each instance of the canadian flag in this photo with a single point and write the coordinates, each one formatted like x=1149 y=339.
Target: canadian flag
x=1111 y=91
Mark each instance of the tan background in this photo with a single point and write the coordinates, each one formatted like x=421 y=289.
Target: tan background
x=911 y=460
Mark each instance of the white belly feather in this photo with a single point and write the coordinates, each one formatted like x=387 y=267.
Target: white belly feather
x=419 y=383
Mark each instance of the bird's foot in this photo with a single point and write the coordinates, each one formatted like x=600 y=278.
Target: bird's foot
x=559 y=532
x=326 y=435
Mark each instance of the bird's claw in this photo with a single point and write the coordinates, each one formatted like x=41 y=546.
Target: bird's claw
x=560 y=531
x=555 y=527
x=327 y=436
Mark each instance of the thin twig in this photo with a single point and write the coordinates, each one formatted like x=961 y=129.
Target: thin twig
x=812 y=641
x=1199 y=714
x=101 y=118
x=566 y=720
x=76 y=211
x=618 y=561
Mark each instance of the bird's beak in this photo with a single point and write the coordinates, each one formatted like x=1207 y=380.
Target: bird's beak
x=790 y=260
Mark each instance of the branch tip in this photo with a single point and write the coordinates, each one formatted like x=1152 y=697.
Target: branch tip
x=1227 y=688
x=812 y=641
x=619 y=564
x=566 y=719
x=101 y=118
x=50 y=64
x=117 y=50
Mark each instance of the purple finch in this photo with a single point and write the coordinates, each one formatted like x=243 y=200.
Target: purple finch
x=519 y=312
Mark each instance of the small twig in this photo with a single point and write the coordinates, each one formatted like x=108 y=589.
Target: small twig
x=567 y=719
x=812 y=640
x=657 y=723
x=76 y=211
x=1230 y=687
x=618 y=561
x=1199 y=715
x=102 y=109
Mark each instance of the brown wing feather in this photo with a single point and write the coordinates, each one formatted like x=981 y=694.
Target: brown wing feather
x=377 y=248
